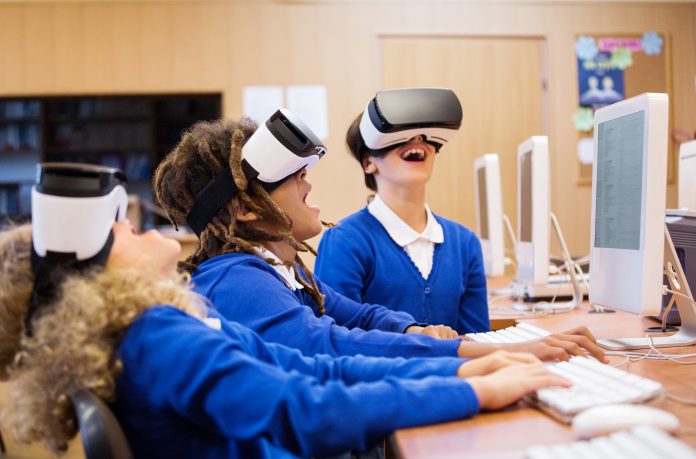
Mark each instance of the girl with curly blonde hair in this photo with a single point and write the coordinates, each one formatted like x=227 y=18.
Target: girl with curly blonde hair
x=119 y=321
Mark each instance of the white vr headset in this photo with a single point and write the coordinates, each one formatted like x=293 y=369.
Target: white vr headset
x=280 y=147
x=394 y=116
x=73 y=208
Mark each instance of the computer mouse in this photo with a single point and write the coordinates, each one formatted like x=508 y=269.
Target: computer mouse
x=602 y=420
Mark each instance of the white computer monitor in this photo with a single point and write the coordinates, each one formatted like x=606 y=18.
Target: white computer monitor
x=629 y=181
x=687 y=176
x=533 y=211
x=489 y=213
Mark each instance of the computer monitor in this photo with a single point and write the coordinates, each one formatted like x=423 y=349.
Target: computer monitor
x=687 y=176
x=489 y=213
x=629 y=182
x=533 y=211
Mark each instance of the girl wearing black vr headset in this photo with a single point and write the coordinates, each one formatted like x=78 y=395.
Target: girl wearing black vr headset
x=120 y=322
x=395 y=251
x=246 y=197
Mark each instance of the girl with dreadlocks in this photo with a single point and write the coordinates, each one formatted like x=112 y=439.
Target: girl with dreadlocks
x=94 y=306
x=245 y=196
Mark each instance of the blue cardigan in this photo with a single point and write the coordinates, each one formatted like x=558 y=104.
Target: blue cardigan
x=188 y=390
x=360 y=260
x=246 y=289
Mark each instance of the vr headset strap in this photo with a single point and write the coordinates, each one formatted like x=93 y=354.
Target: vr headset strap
x=215 y=195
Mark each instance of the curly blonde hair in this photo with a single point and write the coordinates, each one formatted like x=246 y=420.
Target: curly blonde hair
x=74 y=340
x=205 y=151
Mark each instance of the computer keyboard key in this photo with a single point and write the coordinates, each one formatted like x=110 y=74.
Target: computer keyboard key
x=594 y=384
x=644 y=442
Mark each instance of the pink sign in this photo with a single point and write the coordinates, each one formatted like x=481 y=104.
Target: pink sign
x=610 y=44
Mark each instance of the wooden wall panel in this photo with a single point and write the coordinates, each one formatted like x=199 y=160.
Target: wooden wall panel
x=116 y=47
x=154 y=46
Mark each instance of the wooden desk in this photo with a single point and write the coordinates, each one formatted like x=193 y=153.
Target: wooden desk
x=506 y=434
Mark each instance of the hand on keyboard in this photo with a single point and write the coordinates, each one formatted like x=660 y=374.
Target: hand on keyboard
x=507 y=385
x=436 y=331
x=594 y=384
x=494 y=362
x=561 y=346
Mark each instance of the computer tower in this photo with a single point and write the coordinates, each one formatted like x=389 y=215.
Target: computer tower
x=682 y=230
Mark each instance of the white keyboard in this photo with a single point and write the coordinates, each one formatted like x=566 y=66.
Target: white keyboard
x=644 y=442
x=518 y=334
x=594 y=384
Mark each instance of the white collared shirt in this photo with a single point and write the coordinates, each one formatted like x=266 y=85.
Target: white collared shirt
x=286 y=273
x=420 y=247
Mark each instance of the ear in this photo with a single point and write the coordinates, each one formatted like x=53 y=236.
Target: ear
x=369 y=166
x=245 y=215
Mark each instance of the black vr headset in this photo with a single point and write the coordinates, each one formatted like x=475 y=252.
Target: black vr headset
x=73 y=207
x=394 y=116
x=280 y=147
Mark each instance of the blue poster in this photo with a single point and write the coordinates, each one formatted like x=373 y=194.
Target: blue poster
x=600 y=81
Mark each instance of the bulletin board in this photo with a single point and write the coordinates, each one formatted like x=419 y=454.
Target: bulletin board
x=612 y=68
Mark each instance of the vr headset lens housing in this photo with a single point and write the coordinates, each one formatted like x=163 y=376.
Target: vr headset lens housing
x=394 y=116
x=280 y=147
x=74 y=207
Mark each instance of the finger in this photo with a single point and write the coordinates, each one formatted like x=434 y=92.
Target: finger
x=580 y=331
x=589 y=345
x=569 y=345
x=551 y=349
x=521 y=357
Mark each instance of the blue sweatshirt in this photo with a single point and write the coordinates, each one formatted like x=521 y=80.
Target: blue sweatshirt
x=188 y=390
x=360 y=260
x=246 y=289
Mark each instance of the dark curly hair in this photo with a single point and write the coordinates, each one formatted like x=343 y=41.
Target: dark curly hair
x=206 y=150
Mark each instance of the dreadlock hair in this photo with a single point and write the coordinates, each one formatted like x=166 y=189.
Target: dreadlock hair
x=204 y=152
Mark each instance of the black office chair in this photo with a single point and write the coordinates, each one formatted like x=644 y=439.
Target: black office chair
x=102 y=437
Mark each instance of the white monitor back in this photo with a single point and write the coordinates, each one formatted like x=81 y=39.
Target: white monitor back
x=687 y=176
x=629 y=182
x=533 y=208
x=489 y=213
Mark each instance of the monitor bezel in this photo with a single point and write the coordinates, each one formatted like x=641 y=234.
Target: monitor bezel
x=533 y=257
x=493 y=248
x=626 y=279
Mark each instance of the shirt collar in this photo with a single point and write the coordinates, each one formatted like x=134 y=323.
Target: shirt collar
x=398 y=230
x=286 y=273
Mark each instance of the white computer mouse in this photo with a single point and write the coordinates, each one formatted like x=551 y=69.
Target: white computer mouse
x=602 y=420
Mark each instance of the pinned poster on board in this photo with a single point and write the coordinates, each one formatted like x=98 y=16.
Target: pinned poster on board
x=612 y=68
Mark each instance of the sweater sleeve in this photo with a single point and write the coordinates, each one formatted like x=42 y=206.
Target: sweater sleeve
x=258 y=299
x=219 y=385
x=352 y=314
x=350 y=370
x=473 y=305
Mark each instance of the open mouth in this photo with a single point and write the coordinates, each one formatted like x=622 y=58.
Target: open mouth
x=304 y=200
x=413 y=154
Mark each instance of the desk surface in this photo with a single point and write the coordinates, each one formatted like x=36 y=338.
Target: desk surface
x=507 y=433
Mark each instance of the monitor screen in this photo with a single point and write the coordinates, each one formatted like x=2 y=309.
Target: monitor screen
x=619 y=196
x=526 y=197
x=483 y=203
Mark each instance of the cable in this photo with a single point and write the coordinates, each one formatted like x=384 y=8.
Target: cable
x=683 y=401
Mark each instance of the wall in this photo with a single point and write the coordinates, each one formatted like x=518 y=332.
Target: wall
x=112 y=47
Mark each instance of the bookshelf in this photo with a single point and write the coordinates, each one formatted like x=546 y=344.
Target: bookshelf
x=131 y=132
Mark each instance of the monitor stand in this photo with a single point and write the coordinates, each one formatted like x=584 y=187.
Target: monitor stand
x=559 y=306
x=686 y=335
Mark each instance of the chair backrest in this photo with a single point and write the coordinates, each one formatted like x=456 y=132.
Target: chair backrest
x=102 y=437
